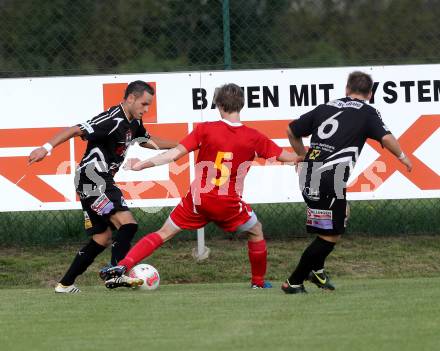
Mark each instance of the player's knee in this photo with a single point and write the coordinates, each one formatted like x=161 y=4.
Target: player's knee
x=121 y=218
x=256 y=232
x=347 y=214
x=165 y=234
x=103 y=239
x=258 y=228
x=330 y=238
x=168 y=231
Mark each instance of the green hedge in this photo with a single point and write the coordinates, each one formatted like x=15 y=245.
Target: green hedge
x=280 y=221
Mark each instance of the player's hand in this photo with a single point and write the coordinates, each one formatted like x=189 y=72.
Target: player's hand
x=37 y=155
x=133 y=164
x=407 y=162
x=295 y=162
x=299 y=158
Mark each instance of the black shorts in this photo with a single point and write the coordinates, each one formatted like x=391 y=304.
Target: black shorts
x=99 y=206
x=326 y=214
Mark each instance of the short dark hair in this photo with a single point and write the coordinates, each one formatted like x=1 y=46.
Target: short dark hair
x=360 y=83
x=137 y=88
x=230 y=98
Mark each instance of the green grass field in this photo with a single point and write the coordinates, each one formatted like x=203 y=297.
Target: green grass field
x=387 y=298
x=374 y=314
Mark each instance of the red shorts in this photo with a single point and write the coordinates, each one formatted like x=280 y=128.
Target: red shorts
x=227 y=212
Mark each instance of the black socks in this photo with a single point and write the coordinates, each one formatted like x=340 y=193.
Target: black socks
x=121 y=244
x=313 y=258
x=83 y=259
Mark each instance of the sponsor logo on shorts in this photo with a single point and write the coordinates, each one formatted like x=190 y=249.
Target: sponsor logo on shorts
x=102 y=205
x=313 y=213
x=123 y=202
x=87 y=221
x=319 y=218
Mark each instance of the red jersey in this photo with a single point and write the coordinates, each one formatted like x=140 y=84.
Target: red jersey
x=226 y=152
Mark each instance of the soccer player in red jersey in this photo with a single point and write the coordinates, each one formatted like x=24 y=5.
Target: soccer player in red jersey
x=226 y=151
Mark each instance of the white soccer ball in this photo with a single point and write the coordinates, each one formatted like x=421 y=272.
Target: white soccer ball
x=148 y=274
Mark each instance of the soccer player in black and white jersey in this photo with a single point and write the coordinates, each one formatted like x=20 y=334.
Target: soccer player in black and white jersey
x=108 y=136
x=338 y=132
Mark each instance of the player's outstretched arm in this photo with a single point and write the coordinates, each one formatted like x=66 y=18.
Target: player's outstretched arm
x=157 y=143
x=290 y=157
x=296 y=143
x=41 y=152
x=390 y=143
x=169 y=156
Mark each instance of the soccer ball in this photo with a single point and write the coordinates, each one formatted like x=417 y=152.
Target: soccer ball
x=148 y=274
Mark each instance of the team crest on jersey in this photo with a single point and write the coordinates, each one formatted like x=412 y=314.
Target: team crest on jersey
x=128 y=137
x=314 y=154
x=87 y=221
x=121 y=149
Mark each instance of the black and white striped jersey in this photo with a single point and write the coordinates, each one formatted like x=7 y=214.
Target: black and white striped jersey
x=108 y=136
x=338 y=132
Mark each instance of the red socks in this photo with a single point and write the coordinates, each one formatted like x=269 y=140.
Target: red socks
x=149 y=243
x=258 y=258
x=143 y=248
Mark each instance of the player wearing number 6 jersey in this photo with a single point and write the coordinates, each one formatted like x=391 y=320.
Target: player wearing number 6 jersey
x=338 y=132
x=226 y=151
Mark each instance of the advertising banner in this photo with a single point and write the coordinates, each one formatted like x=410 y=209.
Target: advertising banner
x=34 y=109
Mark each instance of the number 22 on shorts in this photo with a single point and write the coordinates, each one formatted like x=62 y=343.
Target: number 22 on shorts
x=225 y=172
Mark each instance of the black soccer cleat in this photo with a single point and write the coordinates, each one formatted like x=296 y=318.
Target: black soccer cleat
x=108 y=273
x=321 y=280
x=293 y=289
x=102 y=272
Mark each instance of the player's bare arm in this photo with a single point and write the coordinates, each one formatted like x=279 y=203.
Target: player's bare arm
x=41 y=152
x=169 y=156
x=296 y=143
x=289 y=158
x=157 y=143
x=390 y=143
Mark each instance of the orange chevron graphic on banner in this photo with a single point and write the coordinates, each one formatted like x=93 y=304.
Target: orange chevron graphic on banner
x=386 y=164
x=14 y=167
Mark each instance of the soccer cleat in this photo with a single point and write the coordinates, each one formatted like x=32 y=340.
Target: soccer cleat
x=102 y=272
x=321 y=280
x=293 y=289
x=110 y=272
x=123 y=281
x=266 y=285
x=70 y=289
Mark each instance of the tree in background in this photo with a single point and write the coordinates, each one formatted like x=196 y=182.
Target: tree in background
x=96 y=36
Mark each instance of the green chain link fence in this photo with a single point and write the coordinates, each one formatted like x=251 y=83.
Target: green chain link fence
x=62 y=37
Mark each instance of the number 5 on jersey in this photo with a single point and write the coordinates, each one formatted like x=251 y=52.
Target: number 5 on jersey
x=225 y=172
